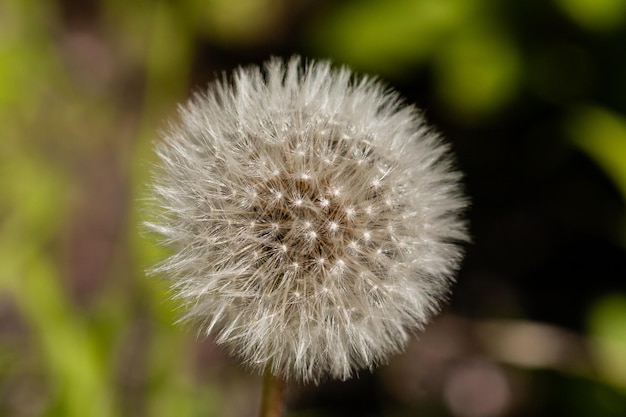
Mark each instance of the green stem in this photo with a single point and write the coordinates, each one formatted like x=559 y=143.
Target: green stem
x=272 y=397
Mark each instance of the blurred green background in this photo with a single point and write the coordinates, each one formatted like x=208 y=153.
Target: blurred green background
x=530 y=93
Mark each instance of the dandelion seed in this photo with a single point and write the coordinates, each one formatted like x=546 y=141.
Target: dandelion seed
x=273 y=152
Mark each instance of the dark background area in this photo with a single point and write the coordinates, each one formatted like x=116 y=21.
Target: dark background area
x=531 y=95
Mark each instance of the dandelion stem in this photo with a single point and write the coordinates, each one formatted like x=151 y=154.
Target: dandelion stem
x=272 y=396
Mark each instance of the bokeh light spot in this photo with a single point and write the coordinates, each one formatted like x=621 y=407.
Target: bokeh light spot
x=477 y=74
x=477 y=389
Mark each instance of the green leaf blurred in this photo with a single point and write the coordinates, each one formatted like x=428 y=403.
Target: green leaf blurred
x=602 y=134
x=607 y=328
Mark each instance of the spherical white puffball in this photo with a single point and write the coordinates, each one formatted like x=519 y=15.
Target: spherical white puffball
x=314 y=219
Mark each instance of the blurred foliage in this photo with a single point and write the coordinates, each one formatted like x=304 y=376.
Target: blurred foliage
x=602 y=134
x=600 y=15
x=476 y=65
x=608 y=332
x=531 y=94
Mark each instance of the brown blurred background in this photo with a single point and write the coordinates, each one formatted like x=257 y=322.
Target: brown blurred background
x=530 y=93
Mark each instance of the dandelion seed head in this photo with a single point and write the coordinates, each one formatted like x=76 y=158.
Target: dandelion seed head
x=314 y=219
